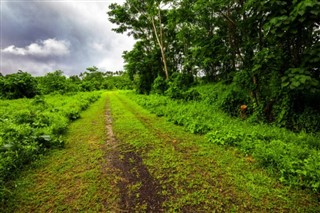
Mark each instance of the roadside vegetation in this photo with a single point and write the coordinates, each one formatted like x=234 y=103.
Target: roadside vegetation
x=35 y=113
x=244 y=73
x=240 y=77
x=29 y=127
x=264 y=52
x=75 y=178
x=293 y=157
x=149 y=164
x=194 y=173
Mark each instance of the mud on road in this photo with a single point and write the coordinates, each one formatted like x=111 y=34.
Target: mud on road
x=139 y=191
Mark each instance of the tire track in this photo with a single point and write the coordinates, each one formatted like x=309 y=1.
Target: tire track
x=139 y=191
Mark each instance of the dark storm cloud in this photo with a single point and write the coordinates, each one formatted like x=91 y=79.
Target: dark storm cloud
x=40 y=37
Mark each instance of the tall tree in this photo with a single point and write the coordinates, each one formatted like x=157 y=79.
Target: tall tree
x=143 y=20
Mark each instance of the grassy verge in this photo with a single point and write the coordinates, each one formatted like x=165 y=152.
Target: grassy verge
x=72 y=179
x=293 y=157
x=198 y=175
x=30 y=127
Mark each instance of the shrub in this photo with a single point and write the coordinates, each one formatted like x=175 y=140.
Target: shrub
x=294 y=157
x=29 y=128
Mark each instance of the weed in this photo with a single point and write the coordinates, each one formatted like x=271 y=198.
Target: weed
x=292 y=156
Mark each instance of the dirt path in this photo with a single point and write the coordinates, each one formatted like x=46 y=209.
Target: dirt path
x=163 y=168
x=138 y=189
x=121 y=158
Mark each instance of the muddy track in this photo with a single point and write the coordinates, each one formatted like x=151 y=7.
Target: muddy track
x=139 y=191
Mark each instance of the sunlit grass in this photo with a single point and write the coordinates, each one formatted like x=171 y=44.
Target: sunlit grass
x=70 y=179
x=197 y=175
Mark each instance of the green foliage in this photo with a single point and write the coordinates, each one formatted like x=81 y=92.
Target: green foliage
x=298 y=79
x=54 y=82
x=92 y=79
x=143 y=66
x=232 y=100
x=178 y=85
x=308 y=120
x=159 y=85
x=29 y=127
x=117 y=82
x=22 y=84
x=293 y=157
x=268 y=51
x=18 y=85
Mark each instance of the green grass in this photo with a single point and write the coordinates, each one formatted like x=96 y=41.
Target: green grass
x=30 y=127
x=197 y=175
x=293 y=157
x=72 y=179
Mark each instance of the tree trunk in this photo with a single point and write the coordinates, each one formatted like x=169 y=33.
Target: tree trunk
x=160 y=42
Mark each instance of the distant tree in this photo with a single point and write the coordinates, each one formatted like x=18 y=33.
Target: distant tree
x=73 y=83
x=18 y=85
x=92 y=79
x=118 y=82
x=53 y=82
x=75 y=79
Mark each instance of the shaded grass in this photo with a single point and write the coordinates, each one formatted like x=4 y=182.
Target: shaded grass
x=197 y=175
x=71 y=179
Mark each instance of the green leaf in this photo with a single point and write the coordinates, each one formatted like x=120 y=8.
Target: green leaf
x=285 y=84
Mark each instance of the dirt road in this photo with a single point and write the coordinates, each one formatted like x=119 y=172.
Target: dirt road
x=121 y=158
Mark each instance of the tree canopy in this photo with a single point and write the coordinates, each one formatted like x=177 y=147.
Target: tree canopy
x=269 y=48
x=24 y=85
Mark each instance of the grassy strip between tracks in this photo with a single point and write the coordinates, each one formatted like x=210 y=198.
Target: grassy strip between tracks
x=72 y=179
x=196 y=175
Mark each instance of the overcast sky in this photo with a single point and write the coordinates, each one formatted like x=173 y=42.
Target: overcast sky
x=69 y=35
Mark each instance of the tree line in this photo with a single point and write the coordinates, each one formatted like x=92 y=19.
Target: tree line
x=24 y=85
x=268 y=50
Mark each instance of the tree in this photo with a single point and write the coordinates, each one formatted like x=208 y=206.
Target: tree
x=92 y=79
x=269 y=49
x=143 y=20
x=53 y=82
x=18 y=85
x=143 y=66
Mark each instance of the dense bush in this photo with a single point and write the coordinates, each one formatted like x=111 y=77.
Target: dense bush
x=18 y=85
x=24 y=85
x=54 y=82
x=159 y=85
x=178 y=84
x=29 y=127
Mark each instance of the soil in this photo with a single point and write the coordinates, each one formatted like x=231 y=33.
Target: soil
x=139 y=191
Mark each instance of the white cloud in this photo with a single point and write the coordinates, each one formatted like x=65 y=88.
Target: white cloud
x=34 y=67
x=82 y=28
x=49 y=47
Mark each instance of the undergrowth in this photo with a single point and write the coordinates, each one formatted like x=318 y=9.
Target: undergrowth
x=197 y=175
x=294 y=157
x=29 y=127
